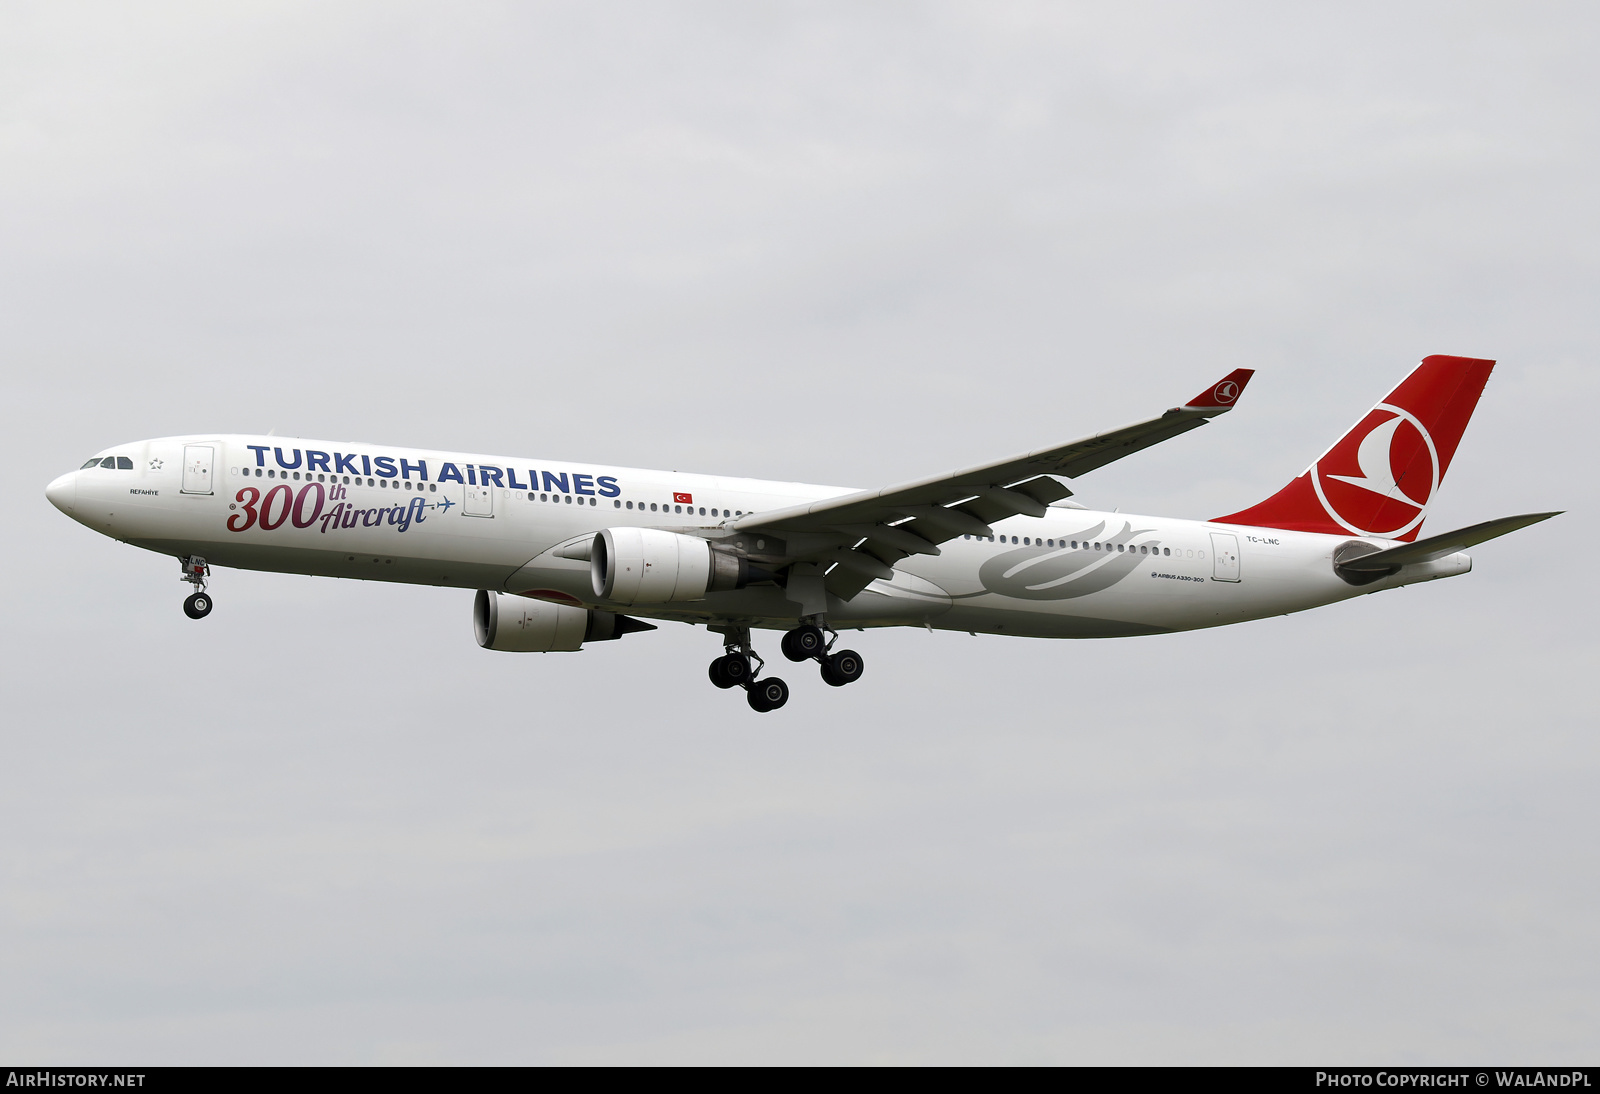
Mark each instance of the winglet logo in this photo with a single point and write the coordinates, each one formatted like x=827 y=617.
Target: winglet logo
x=1225 y=392
x=1376 y=499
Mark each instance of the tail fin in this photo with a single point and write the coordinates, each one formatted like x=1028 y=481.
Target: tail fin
x=1379 y=478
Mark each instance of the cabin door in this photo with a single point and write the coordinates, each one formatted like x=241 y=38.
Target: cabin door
x=479 y=501
x=1225 y=557
x=197 y=459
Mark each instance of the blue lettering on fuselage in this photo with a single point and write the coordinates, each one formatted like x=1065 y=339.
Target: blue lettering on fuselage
x=392 y=467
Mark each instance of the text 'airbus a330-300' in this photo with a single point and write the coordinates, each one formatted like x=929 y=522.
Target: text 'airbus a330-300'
x=564 y=554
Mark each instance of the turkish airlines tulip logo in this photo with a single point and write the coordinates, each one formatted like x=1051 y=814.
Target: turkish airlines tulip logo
x=1378 y=480
x=1225 y=392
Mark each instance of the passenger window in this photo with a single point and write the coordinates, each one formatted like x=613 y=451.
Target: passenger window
x=630 y=505
x=652 y=507
x=433 y=486
x=618 y=504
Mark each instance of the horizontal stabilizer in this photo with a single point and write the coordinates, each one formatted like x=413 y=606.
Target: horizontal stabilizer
x=1434 y=547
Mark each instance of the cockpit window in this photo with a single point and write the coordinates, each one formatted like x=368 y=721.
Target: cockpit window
x=92 y=463
x=109 y=461
x=124 y=463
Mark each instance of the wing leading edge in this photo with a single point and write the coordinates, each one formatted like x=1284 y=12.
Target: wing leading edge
x=860 y=537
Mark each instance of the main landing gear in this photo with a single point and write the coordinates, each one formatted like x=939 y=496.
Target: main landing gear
x=195 y=572
x=740 y=666
x=808 y=642
x=734 y=669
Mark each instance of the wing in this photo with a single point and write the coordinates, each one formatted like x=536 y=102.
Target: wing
x=861 y=536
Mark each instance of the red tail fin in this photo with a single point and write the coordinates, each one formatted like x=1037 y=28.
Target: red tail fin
x=1379 y=478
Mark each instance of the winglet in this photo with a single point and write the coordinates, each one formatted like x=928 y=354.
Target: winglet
x=1225 y=392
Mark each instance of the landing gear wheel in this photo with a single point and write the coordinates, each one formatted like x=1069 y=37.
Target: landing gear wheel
x=198 y=606
x=730 y=670
x=842 y=668
x=804 y=643
x=768 y=694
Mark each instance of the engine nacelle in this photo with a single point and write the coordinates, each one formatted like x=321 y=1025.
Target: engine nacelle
x=650 y=566
x=519 y=624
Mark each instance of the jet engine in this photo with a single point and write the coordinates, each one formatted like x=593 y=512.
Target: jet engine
x=519 y=624
x=650 y=566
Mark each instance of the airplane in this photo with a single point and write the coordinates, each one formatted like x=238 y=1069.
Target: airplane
x=561 y=555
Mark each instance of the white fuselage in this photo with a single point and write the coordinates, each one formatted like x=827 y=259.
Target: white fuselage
x=341 y=509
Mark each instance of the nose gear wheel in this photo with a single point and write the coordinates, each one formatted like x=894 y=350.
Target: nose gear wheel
x=195 y=572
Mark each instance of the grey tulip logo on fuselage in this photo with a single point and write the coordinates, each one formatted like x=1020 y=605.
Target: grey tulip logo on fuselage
x=1060 y=573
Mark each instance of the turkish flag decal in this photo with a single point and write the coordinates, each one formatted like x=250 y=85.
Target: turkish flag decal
x=683 y=499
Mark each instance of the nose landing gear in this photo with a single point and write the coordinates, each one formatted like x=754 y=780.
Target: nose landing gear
x=739 y=667
x=195 y=572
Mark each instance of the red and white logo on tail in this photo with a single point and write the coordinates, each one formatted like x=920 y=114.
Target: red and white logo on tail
x=1378 y=479
x=1389 y=447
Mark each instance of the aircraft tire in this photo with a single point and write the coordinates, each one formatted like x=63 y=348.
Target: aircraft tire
x=730 y=671
x=768 y=694
x=804 y=643
x=197 y=606
x=844 y=667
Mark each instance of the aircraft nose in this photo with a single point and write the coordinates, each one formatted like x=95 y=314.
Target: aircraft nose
x=63 y=492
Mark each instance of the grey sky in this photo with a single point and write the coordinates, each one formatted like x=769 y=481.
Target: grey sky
x=836 y=243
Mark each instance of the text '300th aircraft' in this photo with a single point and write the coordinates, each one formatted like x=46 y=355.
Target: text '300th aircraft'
x=562 y=554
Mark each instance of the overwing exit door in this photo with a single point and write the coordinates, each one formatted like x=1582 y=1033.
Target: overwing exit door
x=1225 y=557
x=197 y=459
